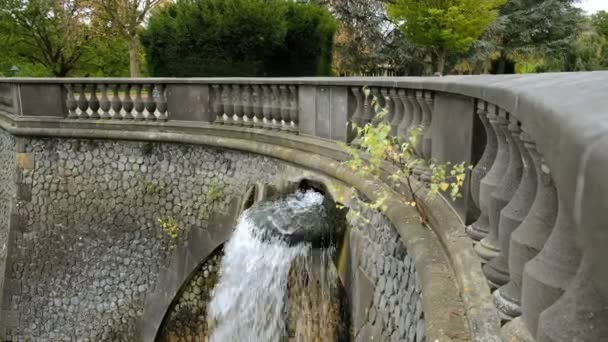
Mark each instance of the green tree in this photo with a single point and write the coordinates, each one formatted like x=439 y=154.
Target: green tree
x=239 y=38
x=49 y=33
x=600 y=23
x=444 y=25
x=531 y=29
x=125 y=18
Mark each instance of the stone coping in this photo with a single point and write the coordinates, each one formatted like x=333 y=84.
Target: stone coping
x=444 y=273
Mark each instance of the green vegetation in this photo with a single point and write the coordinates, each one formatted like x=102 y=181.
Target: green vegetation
x=170 y=227
x=239 y=38
x=444 y=26
x=117 y=38
x=380 y=147
x=148 y=187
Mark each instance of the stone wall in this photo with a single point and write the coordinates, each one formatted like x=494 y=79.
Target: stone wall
x=187 y=319
x=8 y=169
x=89 y=244
x=389 y=307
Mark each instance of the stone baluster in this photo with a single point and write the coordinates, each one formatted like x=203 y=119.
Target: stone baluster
x=397 y=110
x=127 y=104
x=357 y=117
x=116 y=103
x=216 y=104
x=368 y=108
x=161 y=102
x=479 y=172
x=408 y=115
x=104 y=103
x=236 y=117
x=581 y=314
x=489 y=247
x=293 y=109
x=276 y=107
x=547 y=275
x=71 y=102
x=247 y=103
x=267 y=107
x=285 y=122
x=512 y=216
x=426 y=102
x=378 y=103
x=139 y=103
x=94 y=102
x=528 y=239
x=481 y=227
x=83 y=103
x=413 y=96
x=258 y=106
x=389 y=105
x=150 y=102
x=227 y=104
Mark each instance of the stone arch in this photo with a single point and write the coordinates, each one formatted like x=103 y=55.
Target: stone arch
x=184 y=262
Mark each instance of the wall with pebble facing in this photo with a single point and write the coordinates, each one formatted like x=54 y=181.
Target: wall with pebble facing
x=8 y=170
x=395 y=310
x=90 y=245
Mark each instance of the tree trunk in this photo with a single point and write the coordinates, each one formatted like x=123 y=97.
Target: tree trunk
x=441 y=57
x=134 y=67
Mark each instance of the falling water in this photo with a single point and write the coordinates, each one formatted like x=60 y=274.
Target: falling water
x=277 y=282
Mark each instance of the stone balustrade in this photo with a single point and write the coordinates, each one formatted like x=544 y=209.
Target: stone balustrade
x=534 y=205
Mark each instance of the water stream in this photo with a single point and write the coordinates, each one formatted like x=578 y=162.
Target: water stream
x=277 y=278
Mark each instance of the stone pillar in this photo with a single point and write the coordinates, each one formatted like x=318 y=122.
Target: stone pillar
x=189 y=102
x=324 y=111
x=478 y=230
x=498 y=185
x=453 y=113
x=528 y=239
x=497 y=270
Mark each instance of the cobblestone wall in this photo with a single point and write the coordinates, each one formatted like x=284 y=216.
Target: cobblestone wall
x=89 y=244
x=395 y=312
x=7 y=195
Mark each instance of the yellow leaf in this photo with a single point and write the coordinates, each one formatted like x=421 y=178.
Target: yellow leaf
x=444 y=186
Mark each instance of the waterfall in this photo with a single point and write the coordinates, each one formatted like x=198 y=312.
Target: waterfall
x=277 y=282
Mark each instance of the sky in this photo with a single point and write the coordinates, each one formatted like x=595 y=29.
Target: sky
x=592 y=6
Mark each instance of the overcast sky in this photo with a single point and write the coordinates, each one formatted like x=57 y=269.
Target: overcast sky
x=592 y=6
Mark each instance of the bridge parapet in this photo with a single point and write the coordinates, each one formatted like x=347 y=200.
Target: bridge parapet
x=535 y=201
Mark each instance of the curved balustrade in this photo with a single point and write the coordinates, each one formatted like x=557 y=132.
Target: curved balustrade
x=538 y=182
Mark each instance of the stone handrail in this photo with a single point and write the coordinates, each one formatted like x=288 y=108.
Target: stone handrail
x=536 y=200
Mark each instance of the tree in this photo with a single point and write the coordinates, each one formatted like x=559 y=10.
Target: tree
x=239 y=38
x=126 y=17
x=600 y=23
x=51 y=33
x=444 y=25
x=532 y=28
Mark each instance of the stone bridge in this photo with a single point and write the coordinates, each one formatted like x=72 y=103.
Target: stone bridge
x=90 y=168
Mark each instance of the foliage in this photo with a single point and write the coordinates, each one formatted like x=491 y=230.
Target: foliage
x=238 y=38
x=531 y=29
x=215 y=192
x=124 y=18
x=307 y=50
x=368 y=43
x=380 y=147
x=51 y=34
x=444 y=25
x=170 y=227
x=600 y=23
x=148 y=187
